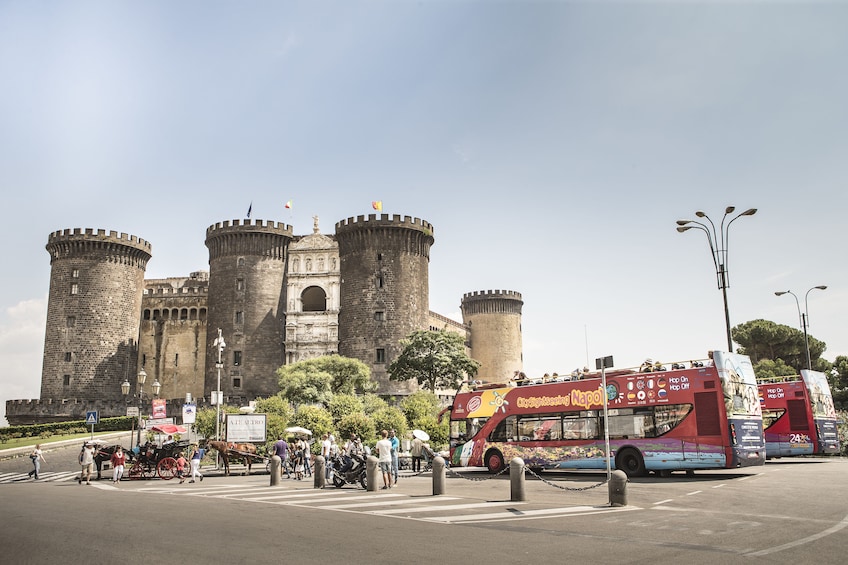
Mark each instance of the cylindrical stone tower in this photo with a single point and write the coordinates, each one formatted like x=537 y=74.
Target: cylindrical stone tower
x=247 y=266
x=385 y=287
x=93 y=313
x=495 y=321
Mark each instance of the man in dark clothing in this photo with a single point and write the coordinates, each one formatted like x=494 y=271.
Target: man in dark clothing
x=281 y=449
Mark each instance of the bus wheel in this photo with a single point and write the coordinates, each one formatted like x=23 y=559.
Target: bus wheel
x=630 y=461
x=494 y=461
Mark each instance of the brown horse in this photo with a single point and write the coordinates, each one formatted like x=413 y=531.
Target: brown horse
x=233 y=451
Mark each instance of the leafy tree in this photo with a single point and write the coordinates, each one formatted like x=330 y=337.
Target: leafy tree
x=390 y=419
x=438 y=432
x=204 y=422
x=303 y=384
x=315 y=419
x=343 y=405
x=436 y=359
x=763 y=339
x=838 y=381
x=359 y=424
x=316 y=380
x=276 y=405
x=767 y=369
x=419 y=405
x=371 y=403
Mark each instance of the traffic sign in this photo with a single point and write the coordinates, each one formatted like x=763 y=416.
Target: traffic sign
x=132 y=410
x=91 y=418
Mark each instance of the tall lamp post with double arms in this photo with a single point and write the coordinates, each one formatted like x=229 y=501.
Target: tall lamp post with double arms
x=804 y=316
x=718 y=241
x=139 y=396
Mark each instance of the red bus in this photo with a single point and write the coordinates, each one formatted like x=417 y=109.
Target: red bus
x=698 y=415
x=799 y=416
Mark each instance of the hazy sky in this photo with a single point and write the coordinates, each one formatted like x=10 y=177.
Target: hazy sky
x=551 y=144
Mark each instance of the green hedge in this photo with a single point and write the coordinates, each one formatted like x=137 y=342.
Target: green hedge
x=44 y=431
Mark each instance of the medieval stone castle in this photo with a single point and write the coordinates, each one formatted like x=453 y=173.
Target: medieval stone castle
x=276 y=298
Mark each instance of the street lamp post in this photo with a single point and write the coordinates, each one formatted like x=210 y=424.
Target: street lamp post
x=125 y=389
x=219 y=343
x=804 y=316
x=718 y=242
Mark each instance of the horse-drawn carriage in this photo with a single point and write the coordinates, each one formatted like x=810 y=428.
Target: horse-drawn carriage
x=152 y=461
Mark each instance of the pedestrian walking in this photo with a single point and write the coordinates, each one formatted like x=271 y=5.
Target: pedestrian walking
x=281 y=450
x=417 y=452
x=395 y=449
x=118 y=460
x=384 y=458
x=37 y=457
x=326 y=445
x=86 y=461
x=196 y=456
x=181 y=465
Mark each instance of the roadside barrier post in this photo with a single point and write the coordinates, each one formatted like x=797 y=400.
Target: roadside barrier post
x=618 y=488
x=318 y=471
x=516 y=480
x=371 y=473
x=438 y=475
x=276 y=474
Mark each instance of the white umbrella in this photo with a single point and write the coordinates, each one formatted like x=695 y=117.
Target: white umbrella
x=298 y=430
x=421 y=434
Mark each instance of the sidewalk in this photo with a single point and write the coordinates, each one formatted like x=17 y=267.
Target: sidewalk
x=47 y=445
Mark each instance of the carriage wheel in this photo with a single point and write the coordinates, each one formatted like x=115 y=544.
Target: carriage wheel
x=149 y=469
x=167 y=468
x=136 y=471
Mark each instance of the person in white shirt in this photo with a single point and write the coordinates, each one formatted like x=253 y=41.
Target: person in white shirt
x=384 y=458
x=325 y=453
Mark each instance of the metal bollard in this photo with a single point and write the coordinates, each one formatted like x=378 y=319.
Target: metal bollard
x=438 y=475
x=276 y=474
x=371 y=473
x=318 y=471
x=516 y=480
x=618 y=488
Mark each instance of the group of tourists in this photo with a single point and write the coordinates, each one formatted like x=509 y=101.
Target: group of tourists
x=295 y=456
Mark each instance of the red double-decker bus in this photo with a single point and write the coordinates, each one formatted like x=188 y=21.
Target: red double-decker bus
x=799 y=417
x=697 y=415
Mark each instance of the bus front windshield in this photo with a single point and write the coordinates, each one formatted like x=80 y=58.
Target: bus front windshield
x=463 y=430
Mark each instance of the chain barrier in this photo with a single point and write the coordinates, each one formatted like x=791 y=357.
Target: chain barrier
x=527 y=469
x=477 y=479
x=549 y=483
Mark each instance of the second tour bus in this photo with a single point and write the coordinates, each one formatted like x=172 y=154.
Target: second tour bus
x=698 y=415
x=799 y=417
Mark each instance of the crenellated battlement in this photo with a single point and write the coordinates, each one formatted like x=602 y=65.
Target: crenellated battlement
x=396 y=221
x=249 y=226
x=488 y=294
x=78 y=240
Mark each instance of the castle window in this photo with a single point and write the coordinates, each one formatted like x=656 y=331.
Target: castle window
x=236 y=382
x=381 y=355
x=75 y=274
x=240 y=284
x=176 y=359
x=66 y=380
x=71 y=321
x=379 y=256
x=143 y=360
x=67 y=356
x=380 y=316
x=240 y=317
x=236 y=358
x=184 y=314
x=380 y=282
x=240 y=261
x=74 y=289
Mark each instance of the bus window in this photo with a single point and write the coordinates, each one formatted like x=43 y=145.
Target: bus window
x=669 y=416
x=771 y=415
x=580 y=426
x=504 y=431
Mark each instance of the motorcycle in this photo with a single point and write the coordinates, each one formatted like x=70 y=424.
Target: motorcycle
x=355 y=474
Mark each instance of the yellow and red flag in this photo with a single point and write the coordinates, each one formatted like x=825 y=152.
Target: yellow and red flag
x=377 y=205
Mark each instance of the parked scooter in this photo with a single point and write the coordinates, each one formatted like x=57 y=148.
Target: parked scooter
x=355 y=474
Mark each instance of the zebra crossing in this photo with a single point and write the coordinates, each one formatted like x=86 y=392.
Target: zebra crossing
x=392 y=504
x=43 y=477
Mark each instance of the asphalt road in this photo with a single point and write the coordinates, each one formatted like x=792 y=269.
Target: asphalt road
x=788 y=511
